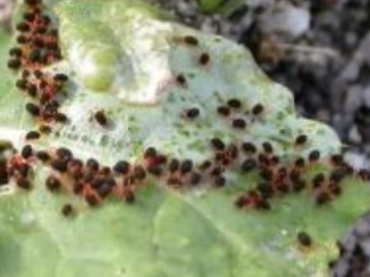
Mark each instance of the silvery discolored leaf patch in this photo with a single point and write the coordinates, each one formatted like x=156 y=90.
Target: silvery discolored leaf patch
x=145 y=71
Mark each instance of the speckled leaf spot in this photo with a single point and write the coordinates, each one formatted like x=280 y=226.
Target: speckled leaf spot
x=131 y=145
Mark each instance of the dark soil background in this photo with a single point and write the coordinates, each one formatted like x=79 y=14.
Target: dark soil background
x=320 y=49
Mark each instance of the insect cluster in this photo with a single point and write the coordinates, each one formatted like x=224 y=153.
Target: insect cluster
x=38 y=47
x=96 y=183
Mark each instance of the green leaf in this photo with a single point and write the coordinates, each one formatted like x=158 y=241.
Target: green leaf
x=166 y=232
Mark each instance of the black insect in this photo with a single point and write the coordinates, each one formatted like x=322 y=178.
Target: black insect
x=338 y=175
x=191 y=40
x=249 y=148
x=35 y=56
x=15 y=51
x=33 y=109
x=21 y=39
x=31 y=90
x=61 y=117
x=304 y=239
x=218 y=144
x=64 y=153
x=266 y=174
x=257 y=109
x=265 y=189
x=174 y=165
x=27 y=151
x=68 y=210
x=155 y=170
x=267 y=147
x=150 y=152
x=101 y=118
x=53 y=183
x=314 y=156
x=33 y=135
x=186 y=166
x=337 y=159
x=301 y=139
x=205 y=165
x=192 y=113
x=22 y=27
x=14 y=63
x=204 y=59
x=223 y=111
x=61 y=77
x=29 y=16
x=248 y=165
x=300 y=162
x=38 y=74
x=24 y=183
x=239 y=123
x=216 y=171
x=43 y=156
x=59 y=165
x=180 y=79
x=92 y=165
x=318 y=180
x=234 y=103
